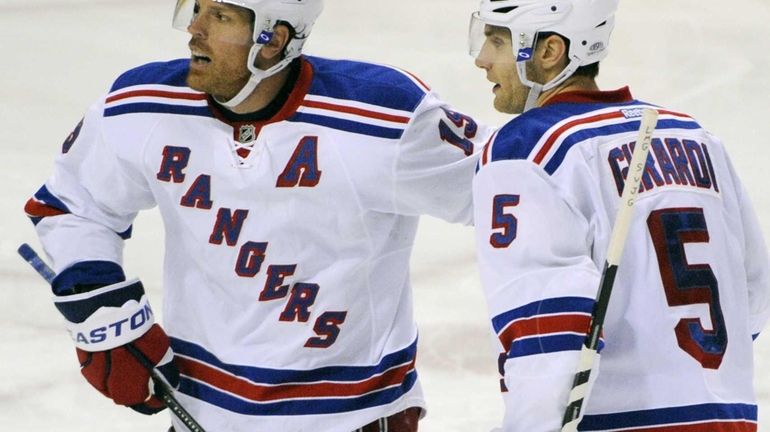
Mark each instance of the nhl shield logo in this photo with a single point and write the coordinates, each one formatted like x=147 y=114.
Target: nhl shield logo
x=247 y=133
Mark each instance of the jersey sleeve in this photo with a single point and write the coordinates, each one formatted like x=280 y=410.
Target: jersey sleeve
x=436 y=160
x=85 y=210
x=540 y=284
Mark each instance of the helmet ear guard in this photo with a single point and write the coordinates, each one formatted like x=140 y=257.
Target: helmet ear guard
x=298 y=15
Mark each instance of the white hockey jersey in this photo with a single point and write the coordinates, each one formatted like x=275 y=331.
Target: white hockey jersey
x=286 y=288
x=692 y=288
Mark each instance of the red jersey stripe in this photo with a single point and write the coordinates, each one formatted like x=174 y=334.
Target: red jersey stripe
x=564 y=128
x=270 y=392
x=357 y=111
x=674 y=113
x=426 y=87
x=157 y=93
x=38 y=209
x=487 y=150
x=544 y=325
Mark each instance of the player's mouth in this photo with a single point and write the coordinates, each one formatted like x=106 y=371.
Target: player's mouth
x=198 y=59
x=495 y=88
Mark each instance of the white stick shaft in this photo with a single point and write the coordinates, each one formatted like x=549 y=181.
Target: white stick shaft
x=631 y=188
x=589 y=351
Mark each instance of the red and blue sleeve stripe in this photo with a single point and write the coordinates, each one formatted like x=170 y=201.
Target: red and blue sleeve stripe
x=45 y=204
x=545 y=326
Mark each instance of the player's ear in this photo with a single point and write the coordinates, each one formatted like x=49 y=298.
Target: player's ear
x=553 y=53
x=273 y=50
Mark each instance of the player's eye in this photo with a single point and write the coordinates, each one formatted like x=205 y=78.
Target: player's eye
x=221 y=17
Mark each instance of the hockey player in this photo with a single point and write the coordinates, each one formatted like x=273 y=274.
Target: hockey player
x=693 y=287
x=290 y=188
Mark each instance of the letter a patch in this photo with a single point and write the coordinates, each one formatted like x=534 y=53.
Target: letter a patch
x=302 y=168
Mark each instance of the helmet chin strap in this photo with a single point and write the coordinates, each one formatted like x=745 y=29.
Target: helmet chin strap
x=257 y=75
x=536 y=89
x=248 y=89
x=534 y=92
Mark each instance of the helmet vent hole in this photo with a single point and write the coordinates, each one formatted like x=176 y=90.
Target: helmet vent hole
x=585 y=43
x=554 y=8
x=506 y=9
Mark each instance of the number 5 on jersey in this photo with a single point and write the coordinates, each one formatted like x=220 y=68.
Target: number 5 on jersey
x=689 y=284
x=503 y=222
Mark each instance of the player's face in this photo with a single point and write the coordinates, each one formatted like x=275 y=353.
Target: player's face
x=220 y=44
x=496 y=58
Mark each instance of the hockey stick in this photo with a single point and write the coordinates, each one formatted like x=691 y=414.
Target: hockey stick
x=166 y=392
x=614 y=252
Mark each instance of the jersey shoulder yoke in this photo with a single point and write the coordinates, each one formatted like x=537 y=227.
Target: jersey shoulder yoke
x=368 y=83
x=171 y=73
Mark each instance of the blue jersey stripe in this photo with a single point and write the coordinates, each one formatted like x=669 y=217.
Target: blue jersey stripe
x=663 y=416
x=576 y=138
x=348 y=125
x=282 y=376
x=548 y=344
x=296 y=407
x=45 y=196
x=147 y=107
x=514 y=142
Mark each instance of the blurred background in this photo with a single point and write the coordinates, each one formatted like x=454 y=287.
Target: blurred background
x=703 y=57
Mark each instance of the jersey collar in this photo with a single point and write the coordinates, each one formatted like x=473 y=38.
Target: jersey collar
x=292 y=96
x=620 y=95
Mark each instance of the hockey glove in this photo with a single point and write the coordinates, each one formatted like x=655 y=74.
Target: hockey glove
x=102 y=323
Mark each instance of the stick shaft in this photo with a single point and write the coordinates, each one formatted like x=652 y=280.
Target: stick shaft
x=166 y=392
x=631 y=187
x=617 y=244
x=38 y=264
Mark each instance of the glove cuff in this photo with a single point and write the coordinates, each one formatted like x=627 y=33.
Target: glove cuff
x=107 y=317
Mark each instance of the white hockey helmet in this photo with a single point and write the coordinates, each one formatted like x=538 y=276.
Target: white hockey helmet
x=586 y=24
x=299 y=14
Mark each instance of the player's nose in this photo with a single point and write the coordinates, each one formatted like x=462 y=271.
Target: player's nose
x=196 y=27
x=482 y=63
